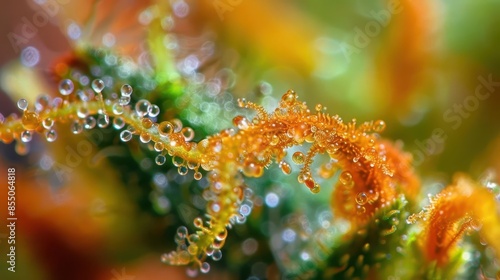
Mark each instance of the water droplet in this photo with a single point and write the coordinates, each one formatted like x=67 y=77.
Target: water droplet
x=241 y=122
x=198 y=176
x=22 y=104
x=251 y=169
x=198 y=222
x=89 y=122
x=103 y=121
x=165 y=128
x=154 y=110
x=188 y=133
x=126 y=90
x=30 y=120
x=298 y=158
x=316 y=188
x=76 y=127
x=205 y=267
x=242 y=102
x=217 y=255
x=147 y=123
x=82 y=112
x=318 y=107
x=177 y=124
x=66 y=87
x=48 y=123
x=51 y=135
x=159 y=146
x=182 y=232
x=182 y=170
x=26 y=136
x=125 y=135
x=361 y=198
x=285 y=167
x=289 y=97
x=160 y=159
x=118 y=123
x=117 y=109
x=97 y=85
x=142 y=107
x=124 y=100
x=345 y=178
x=245 y=210
x=145 y=137
x=379 y=126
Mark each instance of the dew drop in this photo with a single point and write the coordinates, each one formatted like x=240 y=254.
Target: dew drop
x=361 y=198
x=182 y=232
x=125 y=135
x=251 y=169
x=118 y=123
x=345 y=178
x=165 y=128
x=177 y=161
x=126 y=90
x=48 y=123
x=90 y=122
x=285 y=167
x=142 y=107
x=145 y=137
x=124 y=100
x=29 y=120
x=316 y=188
x=309 y=182
x=217 y=255
x=97 y=85
x=22 y=104
x=66 y=87
x=379 y=126
x=205 y=267
x=198 y=222
x=242 y=102
x=51 y=135
x=82 y=112
x=198 y=176
x=153 y=110
x=147 y=123
x=289 y=97
x=177 y=124
x=188 y=133
x=26 y=136
x=298 y=158
x=318 y=107
x=103 y=121
x=117 y=109
x=76 y=127
x=159 y=146
x=241 y=122
x=160 y=159
x=182 y=170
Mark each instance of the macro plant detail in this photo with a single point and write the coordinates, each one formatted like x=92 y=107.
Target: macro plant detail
x=258 y=185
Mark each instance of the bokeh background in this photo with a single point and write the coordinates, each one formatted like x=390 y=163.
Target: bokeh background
x=430 y=69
